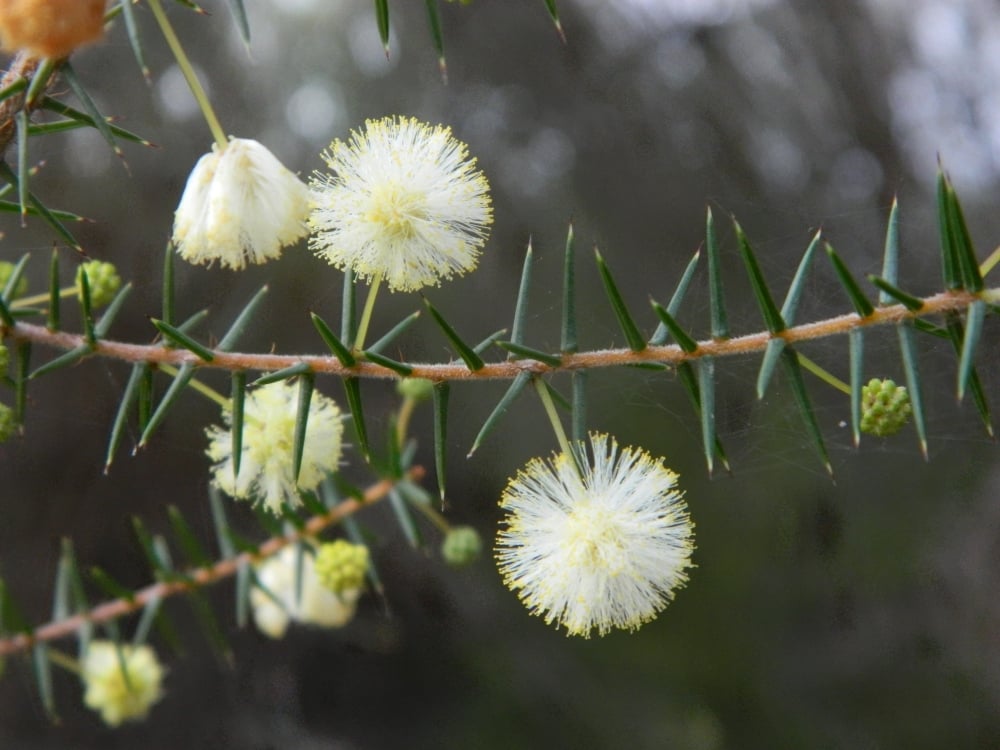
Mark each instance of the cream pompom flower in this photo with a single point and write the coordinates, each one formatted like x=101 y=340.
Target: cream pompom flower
x=281 y=601
x=240 y=205
x=107 y=689
x=405 y=203
x=601 y=547
x=267 y=473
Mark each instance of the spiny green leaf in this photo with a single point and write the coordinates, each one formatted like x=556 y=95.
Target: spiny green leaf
x=706 y=391
x=54 y=296
x=890 y=257
x=40 y=82
x=242 y=320
x=348 y=312
x=684 y=341
x=395 y=332
x=965 y=253
x=521 y=306
x=46 y=215
x=338 y=349
x=294 y=371
x=15 y=87
x=716 y=296
x=513 y=391
x=86 y=308
x=21 y=378
x=526 y=352
x=949 y=251
x=134 y=38
x=84 y=120
x=382 y=17
x=14 y=280
x=970 y=343
x=578 y=424
x=15 y=208
x=160 y=567
x=472 y=360
x=907 y=347
x=772 y=318
x=659 y=336
x=121 y=416
x=63 y=360
x=42 y=669
x=307 y=384
x=100 y=122
x=194 y=551
x=221 y=522
x=772 y=354
x=21 y=122
x=179 y=338
x=632 y=335
x=862 y=306
x=150 y=614
x=794 y=370
x=795 y=289
x=405 y=519
x=489 y=341
x=568 y=335
x=434 y=21
x=378 y=359
x=104 y=323
x=180 y=381
x=237 y=397
x=240 y=16
x=550 y=6
x=352 y=389
x=441 y=393
x=856 y=343
x=890 y=293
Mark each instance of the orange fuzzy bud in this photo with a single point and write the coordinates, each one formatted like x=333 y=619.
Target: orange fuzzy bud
x=50 y=28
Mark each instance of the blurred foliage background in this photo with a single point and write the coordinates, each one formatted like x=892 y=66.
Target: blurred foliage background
x=857 y=614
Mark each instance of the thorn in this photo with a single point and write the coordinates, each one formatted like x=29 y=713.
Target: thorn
x=559 y=30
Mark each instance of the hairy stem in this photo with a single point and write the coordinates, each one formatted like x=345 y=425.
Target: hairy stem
x=950 y=301
x=199 y=577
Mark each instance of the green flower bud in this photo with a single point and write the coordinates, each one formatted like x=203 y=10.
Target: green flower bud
x=461 y=546
x=341 y=566
x=419 y=389
x=8 y=423
x=103 y=280
x=6 y=269
x=885 y=407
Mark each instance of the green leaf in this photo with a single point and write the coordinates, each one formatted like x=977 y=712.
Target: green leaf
x=434 y=21
x=150 y=614
x=716 y=296
x=121 y=416
x=222 y=530
x=395 y=332
x=287 y=373
x=578 y=424
x=635 y=340
x=965 y=253
x=84 y=120
x=890 y=293
x=706 y=391
x=550 y=6
x=54 y=296
x=405 y=519
x=14 y=280
x=949 y=251
x=772 y=318
x=15 y=87
x=100 y=122
x=40 y=82
x=21 y=122
x=772 y=354
x=568 y=336
x=382 y=17
x=104 y=323
x=441 y=392
x=794 y=370
x=42 y=669
x=21 y=378
x=378 y=359
x=160 y=567
x=513 y=391
x=5 y=315
x=907 y=347
x=134 y=38
x=489 y=341
x=970 y=343
x=307 y=384
x=15 y=208
x=521 y=306
x=472 y=360
x=194 y=551
x=237 y=397
x=240 y=16
x=168 y=285
x=180 y=381
x=242 y=320
x=795 y=289
x=862 y=306
x=890 y=257
x=526 y=352
x=338 y=349
x=179 y=338
x=856 y=343
x=659 y=336
x=684 y=341
x=348 y=312
x=46 y=215
x=352 y=389
x=86 y=309
x=63 y=360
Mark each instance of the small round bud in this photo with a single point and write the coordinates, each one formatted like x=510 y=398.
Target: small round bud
x=419 y=389
x=6 y=269
x=461 y=546
x=103 y=280
x=8 y=423
x=885 y=407
x=341 y=566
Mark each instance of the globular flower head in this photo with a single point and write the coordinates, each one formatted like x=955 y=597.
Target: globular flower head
x=102 y=280
x=240 y=205
x=279 y=600
x=50 y=28
x=267 y=472
x=885 y=407
x=107 y=689
x=341 y=566
x=598 y=547
x=404 y=203
x=461 y=546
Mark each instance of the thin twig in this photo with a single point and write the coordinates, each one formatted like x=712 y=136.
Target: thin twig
x=199 y=577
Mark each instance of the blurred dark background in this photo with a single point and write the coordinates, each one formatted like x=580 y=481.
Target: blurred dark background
x=863 y=613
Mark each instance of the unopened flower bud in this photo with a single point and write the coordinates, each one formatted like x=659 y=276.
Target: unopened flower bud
x=341 y=566
x=885 y=407
x=50 y=28
x=6 y=269
x=419 y=389
x=461 y=546
x=103 y=280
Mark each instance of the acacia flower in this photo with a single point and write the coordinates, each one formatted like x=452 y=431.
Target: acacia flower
x=240 y=205
x=50 y=28
x=404 y=203
x=278 y=601
x=601 y=547
x=267 y=473
x=119 y=698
